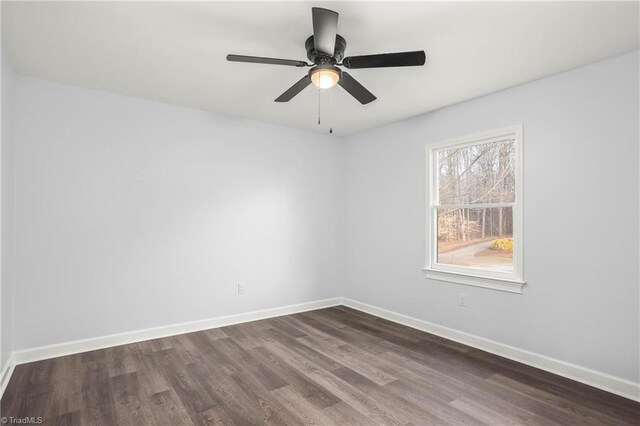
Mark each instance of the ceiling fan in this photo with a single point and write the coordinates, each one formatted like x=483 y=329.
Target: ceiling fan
x=325 y=48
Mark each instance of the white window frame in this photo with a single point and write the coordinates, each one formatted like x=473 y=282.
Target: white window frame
x=511 y=282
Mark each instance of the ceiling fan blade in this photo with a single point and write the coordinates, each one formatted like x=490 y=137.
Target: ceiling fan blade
x=325 y=28
x=403 y=59
x=294 y=90
x=261 y=60
x=356 y=89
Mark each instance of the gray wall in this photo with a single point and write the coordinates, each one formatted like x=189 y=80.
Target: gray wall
x=581 y=218
x=6 y=213
x=133 y=214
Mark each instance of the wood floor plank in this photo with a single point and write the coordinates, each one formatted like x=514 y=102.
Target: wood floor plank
x=583 y=412
x=309 y=330
x=456 y=383
x=356 y=338
x=67 y=419
x=287 y=329
x=540 y=421
x=449 y=386
x=214 y=333
x=326 y=367
x=36 y=403
x=203 y=342
x=325 y=317
x=273 y=412
x=311 y=390
x=66 y=393
x=484 y=414
x=434 y=402
x=569 y=390
x=316 y=323
x=374 y=360
x=167 y=409
x=304 y=409
x=119 y=361
x=243 y=335
x=311 y=354
x=187 y=350
x=392 y=402
x=246 y=363
x=226 y=391
x=344 y=414
x=97 y=400
x=150 y=375
x=189 y=390
x=343 y=390
x=360 y=365
x=241 y=399
x=130 y=405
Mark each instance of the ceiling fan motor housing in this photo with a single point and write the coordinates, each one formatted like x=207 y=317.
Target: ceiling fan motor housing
x=325 y=49
x=319 y=58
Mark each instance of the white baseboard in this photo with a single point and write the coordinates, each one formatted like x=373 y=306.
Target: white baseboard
x=78 y=346
x=606 y=382
x=5 y=373
x=593 y=378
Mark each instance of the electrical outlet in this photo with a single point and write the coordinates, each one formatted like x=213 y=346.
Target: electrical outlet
x=240 y=288
x=462 y=299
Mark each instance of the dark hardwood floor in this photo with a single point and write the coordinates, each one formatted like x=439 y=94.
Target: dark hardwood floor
x=330 y=366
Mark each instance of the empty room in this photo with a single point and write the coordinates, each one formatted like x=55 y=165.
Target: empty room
x=320 y=213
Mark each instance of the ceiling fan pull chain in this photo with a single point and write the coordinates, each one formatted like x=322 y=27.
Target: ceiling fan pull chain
x=330 y=110
x=319 y=106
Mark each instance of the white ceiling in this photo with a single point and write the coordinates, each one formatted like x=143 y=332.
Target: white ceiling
x=175 y=52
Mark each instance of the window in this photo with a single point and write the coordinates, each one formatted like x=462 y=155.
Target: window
x=474 y=210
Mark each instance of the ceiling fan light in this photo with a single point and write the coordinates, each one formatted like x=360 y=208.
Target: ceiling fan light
x=324 y=78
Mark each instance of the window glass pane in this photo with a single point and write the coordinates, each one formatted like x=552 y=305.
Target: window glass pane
x=476 y=237
x=483 y=173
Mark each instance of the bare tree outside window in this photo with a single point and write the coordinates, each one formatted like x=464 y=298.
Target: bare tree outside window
x=476 y=188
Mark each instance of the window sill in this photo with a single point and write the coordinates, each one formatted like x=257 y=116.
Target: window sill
x=510 y=286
